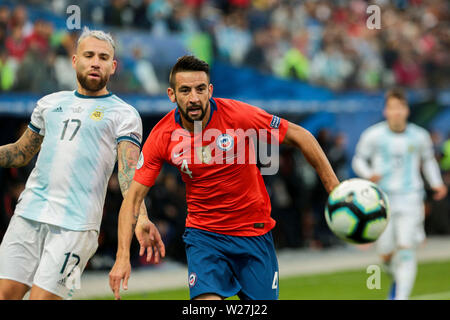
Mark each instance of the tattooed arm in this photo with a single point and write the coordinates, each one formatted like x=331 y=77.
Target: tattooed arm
x=132 y=212
x=128 y=155
x=18 y=154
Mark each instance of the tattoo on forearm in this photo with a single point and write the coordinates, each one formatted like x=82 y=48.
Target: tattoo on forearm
x=9 y=155
x=127 y=165
x=20 y=153
x=135 y=220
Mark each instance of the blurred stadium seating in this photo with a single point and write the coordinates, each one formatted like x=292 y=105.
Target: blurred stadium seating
x=312 y=62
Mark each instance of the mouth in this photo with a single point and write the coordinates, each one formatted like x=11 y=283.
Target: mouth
x=194 y=111
x=94 y=75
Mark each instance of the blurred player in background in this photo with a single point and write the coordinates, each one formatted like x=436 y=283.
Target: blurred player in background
x=54 y=230
x=391 y=154
x=229 y=246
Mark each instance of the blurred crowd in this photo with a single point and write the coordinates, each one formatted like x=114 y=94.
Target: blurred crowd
x=297 y=197
x=321 y=42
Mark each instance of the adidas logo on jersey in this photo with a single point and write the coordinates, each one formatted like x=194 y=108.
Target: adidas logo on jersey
x=59 y=109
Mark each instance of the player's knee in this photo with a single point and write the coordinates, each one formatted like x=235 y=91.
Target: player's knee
x=386 y=258
x=406 y=254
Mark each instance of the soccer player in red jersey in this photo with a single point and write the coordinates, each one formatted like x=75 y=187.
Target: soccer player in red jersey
x=229 y=246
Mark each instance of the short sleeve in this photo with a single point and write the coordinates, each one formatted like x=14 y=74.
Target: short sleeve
x=151 y=159
x=37 y=123
x=365 y=146
x=258 y=119
x=129 y=127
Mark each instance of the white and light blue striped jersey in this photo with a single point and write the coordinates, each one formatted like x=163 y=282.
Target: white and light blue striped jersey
x=68 y=184
x=397 y=158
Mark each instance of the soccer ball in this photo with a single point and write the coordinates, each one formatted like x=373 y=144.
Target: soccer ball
x=357 y=211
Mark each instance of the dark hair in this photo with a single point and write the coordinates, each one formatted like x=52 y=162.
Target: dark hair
x=187 y=63
x=396 y=93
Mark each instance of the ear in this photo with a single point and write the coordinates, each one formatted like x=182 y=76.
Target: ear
x=210 y=90
x=114 y=66
x=171 y=94
x=74 y=61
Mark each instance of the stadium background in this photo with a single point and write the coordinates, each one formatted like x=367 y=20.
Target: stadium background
x=313 y=62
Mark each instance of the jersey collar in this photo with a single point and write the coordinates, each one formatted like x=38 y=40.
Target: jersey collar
x=79 y=95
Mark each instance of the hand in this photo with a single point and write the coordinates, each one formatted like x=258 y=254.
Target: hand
x=149 y=238
x=120 y=271
x=375 y=178
x=439 y=192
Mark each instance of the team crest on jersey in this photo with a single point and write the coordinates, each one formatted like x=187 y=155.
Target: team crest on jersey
x=225 y=142
x=97 y=114
x=192 y=279
x=204 y=154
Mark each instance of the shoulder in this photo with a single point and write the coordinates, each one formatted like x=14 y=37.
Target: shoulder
x=418 y=129
x=237 y=112
x=55 y=97
x=375 y=130
x=122 y=106
x=419 y=132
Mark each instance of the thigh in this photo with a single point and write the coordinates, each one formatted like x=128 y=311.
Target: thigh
x=209 y=270
x=12 y=290
x=20 y=250
x=410 y=229
x=63 y=260
x=257 y=268
x=386 y=243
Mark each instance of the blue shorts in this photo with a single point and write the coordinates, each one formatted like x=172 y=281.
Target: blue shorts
x=229 y=265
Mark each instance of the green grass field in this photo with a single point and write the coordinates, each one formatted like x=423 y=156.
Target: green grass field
x=433 y=283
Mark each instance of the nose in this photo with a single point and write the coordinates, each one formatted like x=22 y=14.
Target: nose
x=194 y=97
x=95 y=62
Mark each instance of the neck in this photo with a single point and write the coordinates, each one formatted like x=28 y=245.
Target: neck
x=86 y=92
x=397 y=128
x=190 y=125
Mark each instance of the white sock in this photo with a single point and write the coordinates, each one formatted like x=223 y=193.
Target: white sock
x=405 y=270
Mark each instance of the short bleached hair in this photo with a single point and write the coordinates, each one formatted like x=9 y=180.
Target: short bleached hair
x=98 y=34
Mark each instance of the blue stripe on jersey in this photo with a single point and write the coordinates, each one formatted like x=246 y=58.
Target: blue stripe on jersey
x=34 y=128
x=131 y=139
x=79 y=203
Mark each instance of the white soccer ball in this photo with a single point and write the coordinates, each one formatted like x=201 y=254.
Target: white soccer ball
x=357 y=211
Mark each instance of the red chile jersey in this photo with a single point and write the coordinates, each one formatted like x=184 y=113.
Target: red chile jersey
x=225 y=191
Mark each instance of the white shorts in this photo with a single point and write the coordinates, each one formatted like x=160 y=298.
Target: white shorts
x=406 y=226
x=45 y=255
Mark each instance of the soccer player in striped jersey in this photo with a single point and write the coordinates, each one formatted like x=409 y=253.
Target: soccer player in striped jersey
x=229 y=246
x=79 y=135
x=392 y=153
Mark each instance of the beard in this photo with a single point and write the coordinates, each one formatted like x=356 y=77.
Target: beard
x=186 y=116
x=92 y=85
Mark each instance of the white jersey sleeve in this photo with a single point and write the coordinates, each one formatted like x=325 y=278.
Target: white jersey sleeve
x=129 y=127
x=365 y=149
x=430 y=166
x=37 y=123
